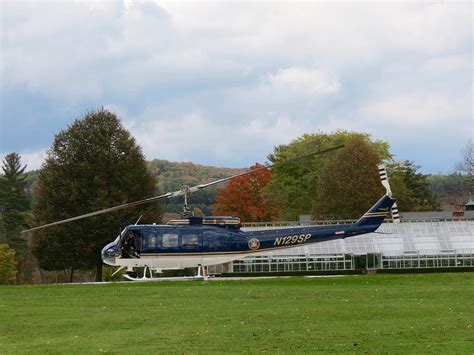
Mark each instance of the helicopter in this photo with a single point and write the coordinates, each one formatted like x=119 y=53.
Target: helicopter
x=198 y=242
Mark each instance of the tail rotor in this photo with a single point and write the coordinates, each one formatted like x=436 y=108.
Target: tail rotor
x=386 y=184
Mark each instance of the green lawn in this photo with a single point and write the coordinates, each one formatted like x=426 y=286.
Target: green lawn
x=375 y=313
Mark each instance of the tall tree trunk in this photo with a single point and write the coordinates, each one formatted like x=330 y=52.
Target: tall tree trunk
x=71 y=274
x=98 y=271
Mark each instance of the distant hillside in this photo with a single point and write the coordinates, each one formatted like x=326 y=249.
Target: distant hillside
x=172 y=175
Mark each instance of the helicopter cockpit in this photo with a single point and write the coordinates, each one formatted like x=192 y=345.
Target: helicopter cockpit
x=127 y=245
x=130 y=245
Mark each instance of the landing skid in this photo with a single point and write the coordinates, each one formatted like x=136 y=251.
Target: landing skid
x=147 y=271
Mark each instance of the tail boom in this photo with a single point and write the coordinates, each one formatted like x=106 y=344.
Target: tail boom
x=377 y=213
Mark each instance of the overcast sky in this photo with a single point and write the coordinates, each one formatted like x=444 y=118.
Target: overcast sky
x=223 y=83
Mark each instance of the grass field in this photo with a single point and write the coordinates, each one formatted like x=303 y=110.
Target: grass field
x=375 y=313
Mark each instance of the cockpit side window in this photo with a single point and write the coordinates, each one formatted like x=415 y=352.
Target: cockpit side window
x=131 y=244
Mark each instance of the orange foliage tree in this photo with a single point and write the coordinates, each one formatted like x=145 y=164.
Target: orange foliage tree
x=244 y=197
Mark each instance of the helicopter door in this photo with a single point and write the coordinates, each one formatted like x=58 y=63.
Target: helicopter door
x=215 y=241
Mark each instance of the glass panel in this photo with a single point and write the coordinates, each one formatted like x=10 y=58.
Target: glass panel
x=216 y=241
x=170 y=240
x=189 y=241
x=150 y=241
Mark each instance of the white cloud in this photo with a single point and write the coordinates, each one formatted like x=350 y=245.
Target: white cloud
x=301 y=82
x=32 y=160
x=201 y=81
x=196 y=138
x=417 y=110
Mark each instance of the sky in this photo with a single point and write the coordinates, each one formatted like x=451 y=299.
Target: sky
x=222 y=83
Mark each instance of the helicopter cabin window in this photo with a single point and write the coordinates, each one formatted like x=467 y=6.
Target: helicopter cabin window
x=150 y=241
x=169 y=240
x=215 y=241
x=190 y=241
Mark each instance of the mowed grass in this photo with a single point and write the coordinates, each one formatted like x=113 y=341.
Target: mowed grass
x=374 y=313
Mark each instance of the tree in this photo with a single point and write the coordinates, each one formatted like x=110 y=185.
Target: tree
x=466 y=165
x=92 y=165
x=349 y=183
x=14 y=201
x=7 y=264
x=411 y=188
x=452 y=190
x=244 y=197
x=295 y=186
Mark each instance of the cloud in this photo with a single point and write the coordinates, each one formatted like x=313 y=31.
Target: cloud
x=193 y=137
x=301 y=82
x=32 y=160
x=417 y=110
x=202 y=81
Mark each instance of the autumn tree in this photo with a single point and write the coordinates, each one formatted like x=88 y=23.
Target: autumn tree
x=14 y=202
x=92 y=165
x=349 y=183
x=244 y=197
x=294 y=187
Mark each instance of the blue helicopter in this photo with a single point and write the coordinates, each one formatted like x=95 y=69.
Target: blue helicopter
x=191 y=241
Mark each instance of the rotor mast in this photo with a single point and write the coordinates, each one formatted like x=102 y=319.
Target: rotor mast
x=186 y=210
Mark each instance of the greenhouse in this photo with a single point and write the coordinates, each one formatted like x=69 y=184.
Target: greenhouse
x=410 y=244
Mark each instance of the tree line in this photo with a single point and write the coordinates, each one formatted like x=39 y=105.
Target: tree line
x=95 y=163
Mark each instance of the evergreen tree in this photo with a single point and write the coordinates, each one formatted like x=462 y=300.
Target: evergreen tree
x=349 y=183
x=14 y=202
x=411 y=188
x=92 y=165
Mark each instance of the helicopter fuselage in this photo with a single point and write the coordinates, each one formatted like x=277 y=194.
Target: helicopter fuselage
x=194 y=242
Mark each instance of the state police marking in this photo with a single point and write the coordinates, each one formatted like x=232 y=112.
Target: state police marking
x=291 y=239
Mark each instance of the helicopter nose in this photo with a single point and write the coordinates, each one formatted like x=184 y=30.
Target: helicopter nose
x=110 y=252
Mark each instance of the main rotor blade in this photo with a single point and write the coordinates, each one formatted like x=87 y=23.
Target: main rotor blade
x=269 y=166
x=105 y=210
x=178 y=193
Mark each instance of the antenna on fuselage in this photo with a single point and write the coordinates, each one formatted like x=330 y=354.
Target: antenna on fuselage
x=386 y=184
x=138 y=220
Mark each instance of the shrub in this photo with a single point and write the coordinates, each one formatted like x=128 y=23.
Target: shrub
x=8 y=264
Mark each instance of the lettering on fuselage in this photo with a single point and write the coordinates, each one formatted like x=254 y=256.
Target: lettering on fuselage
x=291 y=239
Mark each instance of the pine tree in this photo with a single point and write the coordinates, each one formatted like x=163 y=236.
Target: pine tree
x=14 y=202
x=411 y=188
